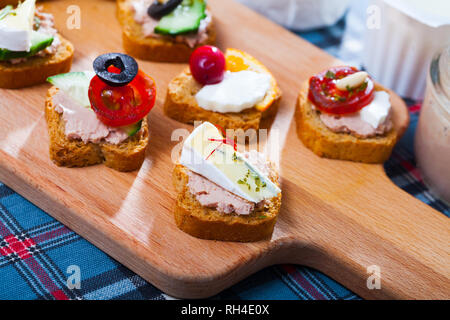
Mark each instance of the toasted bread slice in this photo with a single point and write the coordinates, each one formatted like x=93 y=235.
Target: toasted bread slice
x=153 y=49
x=326 y=143
x=182 y=106
x=36 y=69
x=126 y=156
x=205 y=223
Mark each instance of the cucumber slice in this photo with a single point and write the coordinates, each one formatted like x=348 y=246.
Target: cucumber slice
x=39 y=41
x=185 y=18
x=75 y=84
x=132 y=129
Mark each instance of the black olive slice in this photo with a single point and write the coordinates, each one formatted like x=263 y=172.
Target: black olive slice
x=127 y=65
x=158 y=10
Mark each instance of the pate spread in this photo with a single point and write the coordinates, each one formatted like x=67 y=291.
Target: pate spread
x=47 y=26
x=374 y=119
x=213 y=196
x=81 y=123
x=354 y=125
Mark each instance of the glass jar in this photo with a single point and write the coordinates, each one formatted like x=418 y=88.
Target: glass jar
x=432 y=141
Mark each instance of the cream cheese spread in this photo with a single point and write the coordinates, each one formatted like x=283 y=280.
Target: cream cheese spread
x=374 y=119
x=237 y=91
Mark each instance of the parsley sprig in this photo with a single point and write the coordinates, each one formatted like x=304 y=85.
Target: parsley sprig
x=256 y=179
x=330 y=75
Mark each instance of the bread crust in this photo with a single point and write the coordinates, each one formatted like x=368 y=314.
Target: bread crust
x=4 y=3
x=154 y=49
x=127 y=156
x=206 y=223
x=36 y=70
x=181 y=105
x=326 y=143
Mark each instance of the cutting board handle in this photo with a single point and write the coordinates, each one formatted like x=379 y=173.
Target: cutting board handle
x=400 y=245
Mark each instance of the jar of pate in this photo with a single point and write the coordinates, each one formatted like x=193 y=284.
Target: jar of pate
x=432 y=141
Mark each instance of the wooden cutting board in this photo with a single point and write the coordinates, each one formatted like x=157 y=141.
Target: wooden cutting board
x=338 y=217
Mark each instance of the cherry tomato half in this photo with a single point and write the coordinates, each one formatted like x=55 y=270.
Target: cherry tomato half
x=122 y=106
x=324 y=94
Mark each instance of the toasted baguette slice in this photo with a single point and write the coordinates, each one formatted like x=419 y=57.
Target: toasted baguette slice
x=205 y=223
x=326 y=143
x=182 y=106
x=127 y=156
x=36 y=70
x=153 y=49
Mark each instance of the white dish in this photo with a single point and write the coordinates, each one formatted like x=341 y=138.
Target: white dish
x=398 y=51
x=300 y=14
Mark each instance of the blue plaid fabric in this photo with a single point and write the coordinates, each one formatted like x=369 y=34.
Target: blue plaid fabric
x=37 y=252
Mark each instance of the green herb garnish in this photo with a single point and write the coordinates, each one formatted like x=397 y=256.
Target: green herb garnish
x=362 y=87
x=244 y=182
x=350 y=91
x=324 y=91
x=259 y=184
x=339 y=98
x=330 y=75
x=37 y=23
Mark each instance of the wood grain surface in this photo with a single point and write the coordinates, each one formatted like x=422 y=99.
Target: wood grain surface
x=338 y=217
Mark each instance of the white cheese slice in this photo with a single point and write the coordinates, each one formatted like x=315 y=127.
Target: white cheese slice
x=237 y=91
x=16 y=28
x=378 y=110
x=205 y=153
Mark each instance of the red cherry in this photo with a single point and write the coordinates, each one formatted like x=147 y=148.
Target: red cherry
x=207 y=65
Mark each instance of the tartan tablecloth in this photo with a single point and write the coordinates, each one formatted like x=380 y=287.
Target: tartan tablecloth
x=37 y=252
